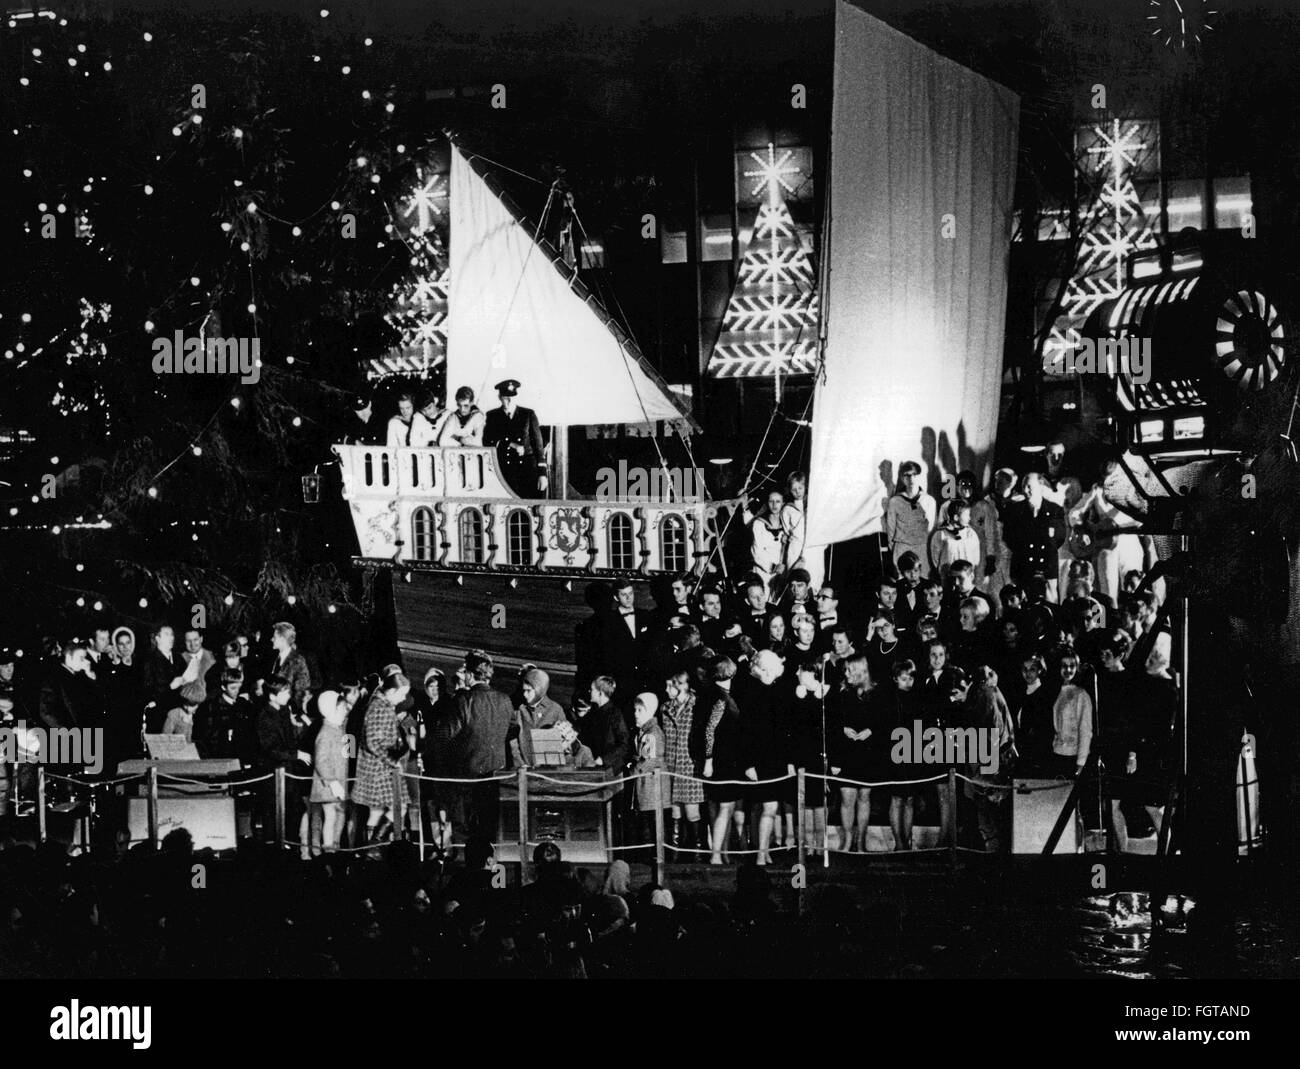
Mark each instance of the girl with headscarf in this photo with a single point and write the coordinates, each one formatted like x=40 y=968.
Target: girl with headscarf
x=122 y=687
x=535 y=711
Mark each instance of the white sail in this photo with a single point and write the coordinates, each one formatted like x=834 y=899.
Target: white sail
x=514 y=315
x=922 y=171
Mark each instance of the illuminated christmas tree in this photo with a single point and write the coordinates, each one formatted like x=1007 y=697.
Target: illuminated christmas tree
x=1115 y=224
x=770 y=326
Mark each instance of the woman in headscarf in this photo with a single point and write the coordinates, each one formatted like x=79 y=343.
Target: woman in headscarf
x=437 y=758
x=122 y=683
x=383 y=750
x=535 y=711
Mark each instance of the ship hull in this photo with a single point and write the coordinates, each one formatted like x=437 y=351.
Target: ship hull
x=517 y=619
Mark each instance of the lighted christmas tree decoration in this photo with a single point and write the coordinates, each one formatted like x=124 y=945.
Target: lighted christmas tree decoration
x=1115 y=226
x=420 y=314
x=769 y=328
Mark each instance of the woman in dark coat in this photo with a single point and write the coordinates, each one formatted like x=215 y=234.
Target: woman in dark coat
x=765 y=742
x=907 y=715
x=860 y=748
x=722 y=757
x=810 y=724
x=383 y=751
x=438 y=758
x=123 y=680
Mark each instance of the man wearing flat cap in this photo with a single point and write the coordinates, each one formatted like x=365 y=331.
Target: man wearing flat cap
x=518 y=439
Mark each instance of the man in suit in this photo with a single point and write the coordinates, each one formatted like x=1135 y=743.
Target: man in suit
x=479 y=729
x=624 y=639
x=754 y=615
x=1035 y=530
x=798 y=596
x=518 y=439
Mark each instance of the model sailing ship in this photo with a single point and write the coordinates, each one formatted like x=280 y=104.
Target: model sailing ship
x=487 y=560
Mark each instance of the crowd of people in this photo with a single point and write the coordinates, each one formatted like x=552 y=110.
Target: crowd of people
x=726 y=689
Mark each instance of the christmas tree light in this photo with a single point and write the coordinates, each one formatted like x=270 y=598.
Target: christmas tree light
x=769 y=328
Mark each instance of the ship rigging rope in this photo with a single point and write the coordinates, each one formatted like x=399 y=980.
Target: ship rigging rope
x=505 y=319
x=663 y=462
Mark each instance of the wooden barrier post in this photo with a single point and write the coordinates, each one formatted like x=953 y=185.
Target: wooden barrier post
x=952 y=813
x=522 y=791
x=399 y=805
x=152 y=806
x=40 y=801
x=660 y=874
x=279 y=806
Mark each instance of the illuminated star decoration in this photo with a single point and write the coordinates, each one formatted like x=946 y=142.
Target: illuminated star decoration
x=769 y=328
x=771 y=174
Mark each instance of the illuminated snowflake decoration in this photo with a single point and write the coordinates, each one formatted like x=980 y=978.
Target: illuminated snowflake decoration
x=420 y=306
x=423 y=205
x=1180 y=23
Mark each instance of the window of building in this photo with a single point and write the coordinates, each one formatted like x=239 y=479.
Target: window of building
x=422 y=534
x=672 y=246
x=1232 y=202
x=672 y=544
x=519 y=531
x=621 y=553
x=1186 y=204
x=716 y=239
x=471 y=536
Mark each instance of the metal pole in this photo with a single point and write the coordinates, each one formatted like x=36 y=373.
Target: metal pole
x=952 y=809
x=279 y=806
x=152 y=805
x=399 y=805
x=659 y=826
x=523 y=823
x=40 y=801
x=1187 y=642
x=799 y=796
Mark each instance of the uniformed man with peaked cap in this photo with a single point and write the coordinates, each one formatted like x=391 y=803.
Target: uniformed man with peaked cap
x=518 y=439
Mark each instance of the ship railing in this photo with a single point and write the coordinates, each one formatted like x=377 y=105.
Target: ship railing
x=450 y=472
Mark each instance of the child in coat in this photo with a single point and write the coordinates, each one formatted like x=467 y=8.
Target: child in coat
x=649 y=750
x=329 y=787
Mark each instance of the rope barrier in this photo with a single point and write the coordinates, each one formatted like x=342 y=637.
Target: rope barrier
x=880 y=783
x=589 y=785
x=504 y=778
x=92 y=784
x=210 y=785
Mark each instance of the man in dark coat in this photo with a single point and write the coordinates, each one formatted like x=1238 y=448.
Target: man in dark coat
x=518 y=439
x=478 y=731
x=68 y=695
x=624 y=640
x=1035 y=529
